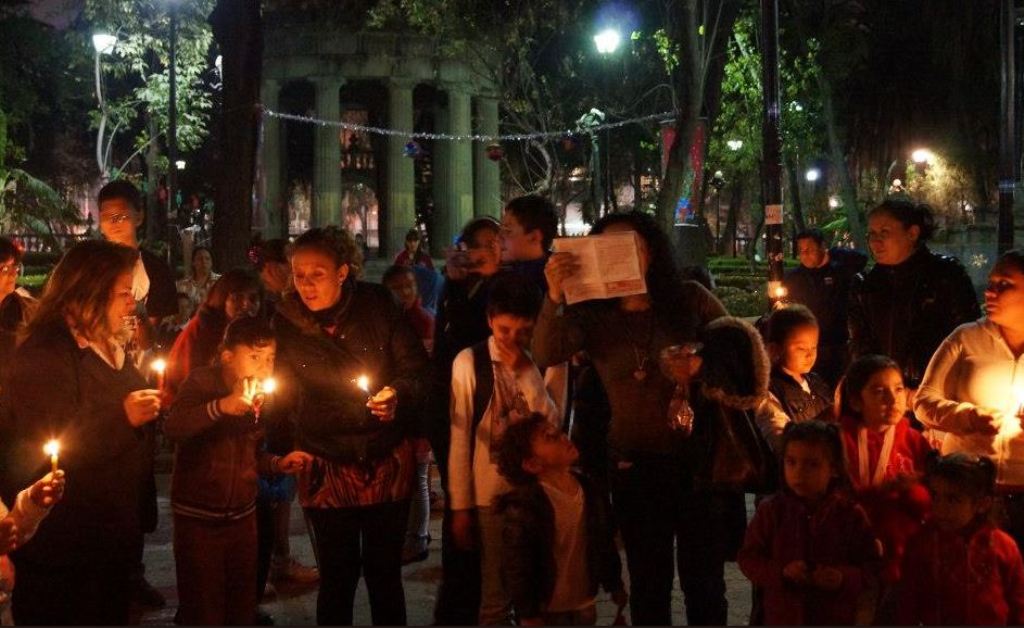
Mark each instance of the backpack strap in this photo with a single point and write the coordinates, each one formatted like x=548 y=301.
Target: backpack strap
x=484 y=389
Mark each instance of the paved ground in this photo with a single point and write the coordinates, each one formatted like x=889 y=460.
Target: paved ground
x=298 y=606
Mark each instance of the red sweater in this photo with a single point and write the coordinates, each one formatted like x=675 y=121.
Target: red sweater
x=908 y=452
x=835 y=534
x=969 y=578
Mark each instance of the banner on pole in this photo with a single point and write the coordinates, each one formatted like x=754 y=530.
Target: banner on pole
x=773 y=215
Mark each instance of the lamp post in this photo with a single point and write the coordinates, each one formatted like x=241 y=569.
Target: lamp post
x=1008 y=125
x=607 y=42
x=103 y=44
x=735 y=145
x=771 y=142
x=172 y=113
x=718 y=182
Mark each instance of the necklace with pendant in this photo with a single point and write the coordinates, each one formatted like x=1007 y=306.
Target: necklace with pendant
x=642 y=355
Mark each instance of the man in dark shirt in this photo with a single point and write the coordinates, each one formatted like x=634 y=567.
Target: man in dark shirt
x=120 y=209
x=822 y=283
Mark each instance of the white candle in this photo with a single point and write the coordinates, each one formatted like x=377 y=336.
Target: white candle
x=363 y=382
x=158 y=366
x=52 y=448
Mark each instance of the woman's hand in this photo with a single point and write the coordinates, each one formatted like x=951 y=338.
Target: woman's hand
x=796 y=571
x=49 y=490
x=383 y=404
x=984 y=421
x=239 y=402
x=560 y=267
x=142 y=406
x=294 y=462
x=827 y=578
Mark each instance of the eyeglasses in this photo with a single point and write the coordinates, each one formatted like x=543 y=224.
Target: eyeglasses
x=11 y=270
x=115 y=219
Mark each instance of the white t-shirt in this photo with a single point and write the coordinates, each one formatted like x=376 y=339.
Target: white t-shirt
x=572 y=584
x=477 y=482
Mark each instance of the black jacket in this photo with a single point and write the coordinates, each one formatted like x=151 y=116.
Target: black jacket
x=826 y=292
x=364 y=334
x=59 y=390
x=799 y=405
x=528 y=552
x=905 y=311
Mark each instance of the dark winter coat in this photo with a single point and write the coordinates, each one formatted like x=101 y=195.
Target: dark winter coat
x=798 y=404
x=826 y=292
x=321 y=354
x=905 y=311
x=61 y=390
x=195 y=346
x=528 y=553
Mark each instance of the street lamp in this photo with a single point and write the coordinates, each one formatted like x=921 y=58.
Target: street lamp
x=607 y=41
x=102 y=43
x=180 y=164
x=734 y=144
x=812 y=175
x=922 y=156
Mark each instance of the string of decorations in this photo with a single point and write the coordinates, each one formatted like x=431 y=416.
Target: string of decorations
x=475 y=137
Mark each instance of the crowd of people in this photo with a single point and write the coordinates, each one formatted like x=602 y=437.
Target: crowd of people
x=876 y=418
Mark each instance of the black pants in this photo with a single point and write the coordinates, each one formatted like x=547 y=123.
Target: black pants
x=654 y=507
x=265 y=528
x=365 y=541
x=90 y=594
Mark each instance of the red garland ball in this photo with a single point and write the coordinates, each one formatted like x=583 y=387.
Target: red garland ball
x=568 y=143
x=495 y=152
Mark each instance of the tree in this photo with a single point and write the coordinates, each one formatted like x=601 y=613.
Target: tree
x=139 y=104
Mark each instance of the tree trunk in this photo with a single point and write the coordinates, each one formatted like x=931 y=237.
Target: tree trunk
x=237 y=27
x=835 y=149
x=153 y=209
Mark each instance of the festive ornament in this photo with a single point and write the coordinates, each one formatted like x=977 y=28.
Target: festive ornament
x=569 y=143
x=413 y=150
x=495 y=152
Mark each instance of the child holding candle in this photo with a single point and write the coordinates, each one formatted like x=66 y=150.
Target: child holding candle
x=794 y=392
x=961 y=569
x=213 y=487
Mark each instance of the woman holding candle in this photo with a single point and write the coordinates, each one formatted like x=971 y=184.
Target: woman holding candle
x=70 y=380
x=331 y=331
x=973 y=386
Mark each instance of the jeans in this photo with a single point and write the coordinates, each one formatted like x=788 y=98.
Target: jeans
x=656 y=508
x=419 y=510
x=216 y=569
x=356 y=541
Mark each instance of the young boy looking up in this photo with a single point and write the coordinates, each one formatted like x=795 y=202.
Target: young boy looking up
x=559 y=546
x=213 y=487
x=494 y=384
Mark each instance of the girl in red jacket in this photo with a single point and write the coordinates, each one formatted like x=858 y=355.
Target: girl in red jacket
x=880 y=443
x=809 y=547
x=960 y=568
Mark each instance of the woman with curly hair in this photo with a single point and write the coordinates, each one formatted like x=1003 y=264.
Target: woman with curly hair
x=652 y=489
x=357 y=374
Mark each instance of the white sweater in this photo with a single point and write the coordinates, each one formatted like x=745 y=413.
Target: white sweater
x=477 y=482
x=974 y=367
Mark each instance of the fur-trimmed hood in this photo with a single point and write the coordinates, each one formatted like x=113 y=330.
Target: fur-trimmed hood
x=735 y=367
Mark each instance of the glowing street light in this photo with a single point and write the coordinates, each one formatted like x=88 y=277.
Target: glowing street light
x=833 y=202
x=180 y=164
x=607 y=41
x=104 y=43
x=812 y=175
x=922 y=156
x=734 y=144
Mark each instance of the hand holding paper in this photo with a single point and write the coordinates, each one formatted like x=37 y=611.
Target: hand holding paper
x=602 y=266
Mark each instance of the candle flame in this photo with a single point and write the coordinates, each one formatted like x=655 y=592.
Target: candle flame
x=52 y=448
x=269 y=385
x=363 y=382
x=159 y=365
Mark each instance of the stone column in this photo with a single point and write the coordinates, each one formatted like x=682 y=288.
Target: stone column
x=401 y=191
x=457 y=167
x=486 y=173
x=273 y=223
x=327 y=177
x=440 y=154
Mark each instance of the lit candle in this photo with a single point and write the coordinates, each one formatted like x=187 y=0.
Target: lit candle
x=158 y=366
x=52 y=448
x=363 y=383
x=266 y=387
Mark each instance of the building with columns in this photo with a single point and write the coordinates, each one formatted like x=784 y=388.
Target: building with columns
x=363 y=181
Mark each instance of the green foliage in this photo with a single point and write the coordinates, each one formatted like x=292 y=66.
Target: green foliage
x=140 y=66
